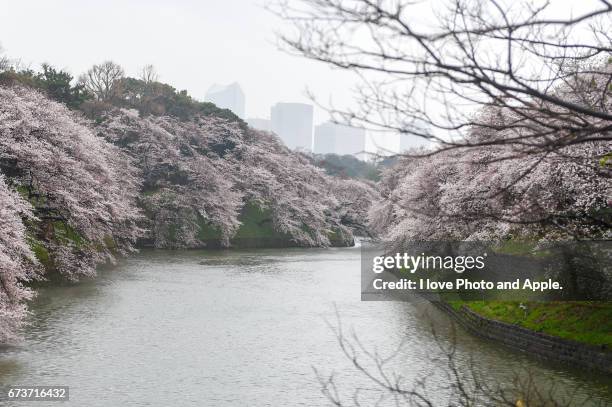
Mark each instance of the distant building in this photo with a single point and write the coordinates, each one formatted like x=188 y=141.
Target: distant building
x=332 y=138
x=292 y=122
x=260 y=124
x=227 y=97
x=324 y=139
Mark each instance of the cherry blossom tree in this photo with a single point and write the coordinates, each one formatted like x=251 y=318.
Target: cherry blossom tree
x=17 y=262
x=200 y=173
x=293 y=188
x=423 y=68
x=487 y=193
x=494 y=189
x=186 y=180
x=82 y=188
x=354 y=199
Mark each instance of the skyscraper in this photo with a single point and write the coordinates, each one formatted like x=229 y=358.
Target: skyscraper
x=324 y=139
x=292 y=122
x=333 y=138
x=227 y=97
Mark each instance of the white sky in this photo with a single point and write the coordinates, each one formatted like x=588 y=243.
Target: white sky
x=193 y=44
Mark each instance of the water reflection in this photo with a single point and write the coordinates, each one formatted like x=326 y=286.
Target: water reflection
x=232 y=328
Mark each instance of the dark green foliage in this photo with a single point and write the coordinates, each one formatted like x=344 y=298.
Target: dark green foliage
x=160 y=99
x=257 y=230
x=256 y=222
x=24 y=77
x=153 y=98
x=388 y=162
x=55 y=83
x=347 y=166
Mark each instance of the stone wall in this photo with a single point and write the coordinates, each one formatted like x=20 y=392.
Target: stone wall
x=536 y=343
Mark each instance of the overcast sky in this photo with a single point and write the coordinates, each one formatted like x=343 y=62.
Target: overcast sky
x=193 y=44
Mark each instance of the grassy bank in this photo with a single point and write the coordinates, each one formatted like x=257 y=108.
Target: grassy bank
x=586 y=322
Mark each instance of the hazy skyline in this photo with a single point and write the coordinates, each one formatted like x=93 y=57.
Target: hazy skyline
x=192 y=44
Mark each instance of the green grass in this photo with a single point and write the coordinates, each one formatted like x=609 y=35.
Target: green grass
x=336 y=237
x=205 y=233
x=40 y=251
x=256 y=223
x=66 y=233
x=520 y=247
x=586 y=322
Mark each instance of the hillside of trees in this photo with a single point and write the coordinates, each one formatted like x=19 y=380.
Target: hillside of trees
x=94 y=168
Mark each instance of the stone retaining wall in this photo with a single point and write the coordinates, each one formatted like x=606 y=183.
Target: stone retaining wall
x=536 y=343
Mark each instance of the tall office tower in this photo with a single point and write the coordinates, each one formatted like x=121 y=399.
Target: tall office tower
x=339 y=139
x=292 y=122
x=227 y=97
x=325 y=139
x=260 y=124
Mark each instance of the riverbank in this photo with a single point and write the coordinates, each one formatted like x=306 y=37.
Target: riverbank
x=573 y=333
x=245 y=327
x=585 y=322
x=256 y=231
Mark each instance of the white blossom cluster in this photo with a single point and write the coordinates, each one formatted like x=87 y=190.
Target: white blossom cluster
x=203 y=171
x=502 y=191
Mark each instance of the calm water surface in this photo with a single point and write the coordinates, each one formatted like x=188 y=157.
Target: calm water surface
x=236 y=328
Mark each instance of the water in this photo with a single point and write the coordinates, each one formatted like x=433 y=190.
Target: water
x=238 y=328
